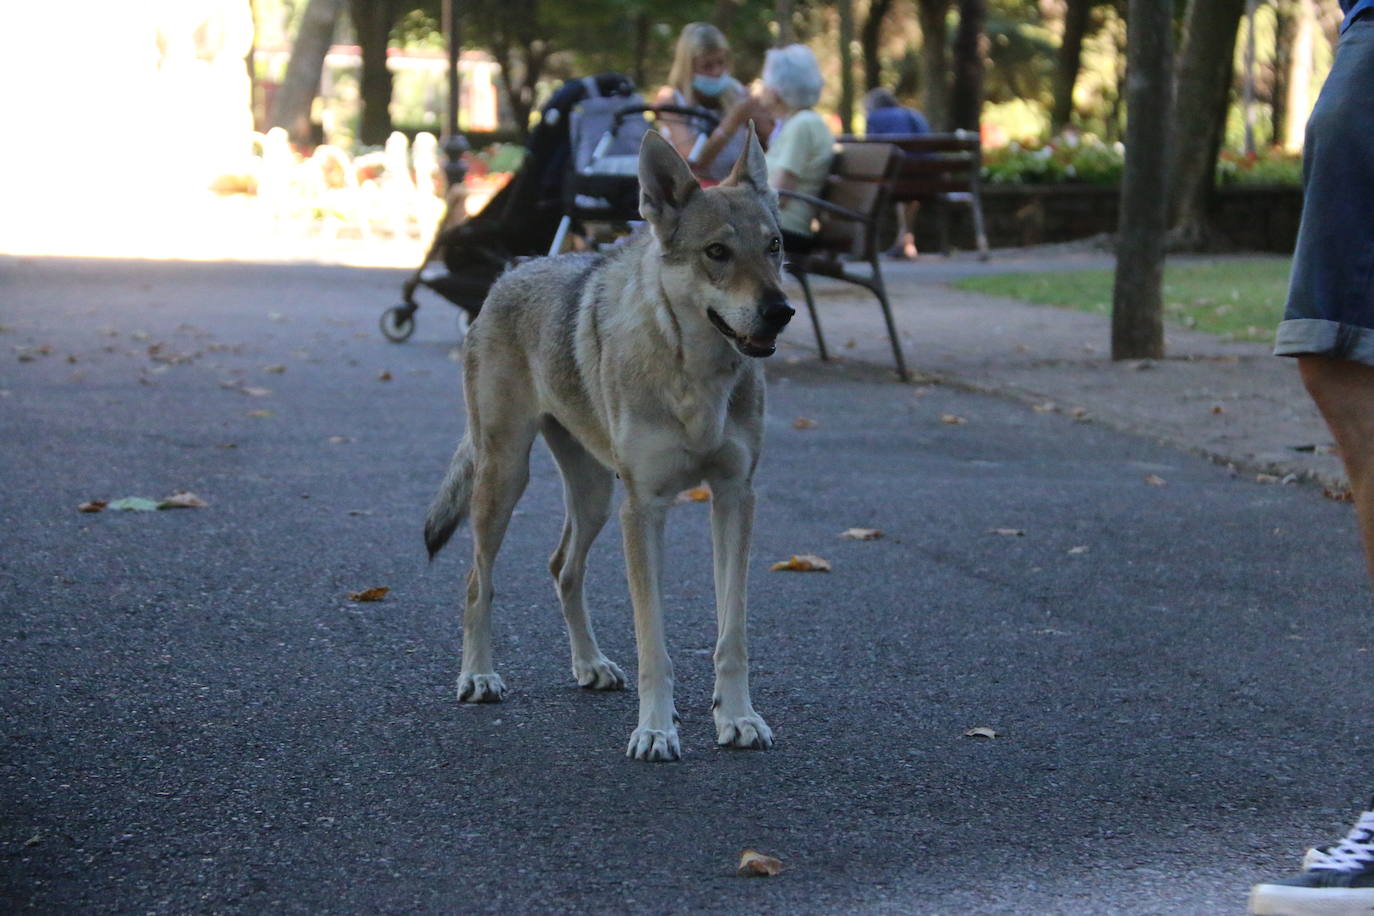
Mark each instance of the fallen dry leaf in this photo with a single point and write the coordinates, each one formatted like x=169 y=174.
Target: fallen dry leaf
x=804 y=423
x=183 y=499
x=384 y=376
x=861 y=534
x=275 y=370
x=850 y=344
x=1079 y=413
x=134 y=504
x=1154 y=480
x=1217 y=408
x=1340 y=496
x=757 y=865
x=369 y=594
x=980 y=731
x=1008 y=532
x=340 y=440
x=694 y=495
x=1074 y=551
x=1046 y=407
x=94 y=505
x=953 y=419
x=805 y=562
x=261 y=414
x=1266 y=478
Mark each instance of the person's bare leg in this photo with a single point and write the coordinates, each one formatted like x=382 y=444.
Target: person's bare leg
x=1344 y=393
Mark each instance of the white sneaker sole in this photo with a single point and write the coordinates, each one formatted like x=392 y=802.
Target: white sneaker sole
x=1282 y=900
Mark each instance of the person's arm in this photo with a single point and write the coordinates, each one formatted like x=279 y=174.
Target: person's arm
x=784 y=180
x=738 y=115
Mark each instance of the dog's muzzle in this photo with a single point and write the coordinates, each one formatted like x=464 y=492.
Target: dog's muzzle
x=774 y=313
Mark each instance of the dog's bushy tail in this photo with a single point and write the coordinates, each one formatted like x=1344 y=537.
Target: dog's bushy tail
x=450 y=505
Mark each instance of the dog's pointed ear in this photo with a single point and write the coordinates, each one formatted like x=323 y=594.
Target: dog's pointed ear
x=665 y=184
x=751 y=167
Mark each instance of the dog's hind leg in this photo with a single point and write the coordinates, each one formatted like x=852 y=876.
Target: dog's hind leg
x=501 y=472
x=587 y=487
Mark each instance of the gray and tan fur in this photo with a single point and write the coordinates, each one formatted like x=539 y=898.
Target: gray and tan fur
x=640 y=364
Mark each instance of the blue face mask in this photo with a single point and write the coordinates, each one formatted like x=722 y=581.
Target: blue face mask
x=710 y=86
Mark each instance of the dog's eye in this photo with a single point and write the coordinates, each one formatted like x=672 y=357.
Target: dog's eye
x=775 y=245
x=717 y=252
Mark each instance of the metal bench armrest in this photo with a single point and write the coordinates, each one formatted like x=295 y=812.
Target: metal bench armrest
x=827 y=206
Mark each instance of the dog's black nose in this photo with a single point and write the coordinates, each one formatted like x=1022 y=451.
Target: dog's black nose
x=774 y=308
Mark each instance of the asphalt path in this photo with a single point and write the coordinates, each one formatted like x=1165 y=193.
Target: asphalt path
x=198 y=719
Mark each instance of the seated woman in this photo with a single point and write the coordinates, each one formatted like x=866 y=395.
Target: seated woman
x=700 y=78
x=802 y=145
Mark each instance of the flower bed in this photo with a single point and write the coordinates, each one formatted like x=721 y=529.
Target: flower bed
x=1089 y=160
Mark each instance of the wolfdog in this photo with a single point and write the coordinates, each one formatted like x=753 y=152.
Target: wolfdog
x=639 y=364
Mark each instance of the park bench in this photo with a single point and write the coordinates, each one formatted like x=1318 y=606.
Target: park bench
x=849 y=210
x=937 y=171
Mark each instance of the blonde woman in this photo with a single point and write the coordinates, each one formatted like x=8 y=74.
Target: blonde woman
x=700 y=78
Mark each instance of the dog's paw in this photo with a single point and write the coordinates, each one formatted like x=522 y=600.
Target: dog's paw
x=481 y=688
x=748 y=731
x=654 y=744
x=599 y=674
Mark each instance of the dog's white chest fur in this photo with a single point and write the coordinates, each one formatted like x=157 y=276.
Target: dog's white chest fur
x=700 y=409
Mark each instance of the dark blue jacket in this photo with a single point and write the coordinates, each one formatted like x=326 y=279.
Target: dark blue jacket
x=898 y=121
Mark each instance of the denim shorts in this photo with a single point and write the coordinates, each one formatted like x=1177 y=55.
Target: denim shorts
x=1330 y=309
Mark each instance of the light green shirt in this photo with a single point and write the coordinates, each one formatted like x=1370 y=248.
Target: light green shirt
x=804 y=147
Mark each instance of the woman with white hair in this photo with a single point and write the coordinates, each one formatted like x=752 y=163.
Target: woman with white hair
x=802 y=145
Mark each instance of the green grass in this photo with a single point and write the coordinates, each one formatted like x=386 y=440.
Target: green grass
x=1236 y=299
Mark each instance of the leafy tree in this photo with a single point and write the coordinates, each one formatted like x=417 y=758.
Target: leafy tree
x=934 y=19
x=291 y=105
x=869 y=37
x=1137 y=304
x=966 y=96
x=1070 y=59
x=1205 y=69
x=373 y=21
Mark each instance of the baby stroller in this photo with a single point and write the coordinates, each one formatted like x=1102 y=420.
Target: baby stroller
x=580 y=166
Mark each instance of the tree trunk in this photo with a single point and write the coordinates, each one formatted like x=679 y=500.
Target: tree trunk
x=291 y=105
x=642 y=25
x=966 y=98
x=1298 y=98
x=1137 y=304
x=784 y=15
x=1076 y=17
x=846 y=106
x=1285 y=30
x=870 y=37
x=935 y=61
x=372 y=20
x=1205 y=73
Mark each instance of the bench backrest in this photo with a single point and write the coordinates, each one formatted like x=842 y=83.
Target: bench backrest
x=930 y=164
x=860 y=180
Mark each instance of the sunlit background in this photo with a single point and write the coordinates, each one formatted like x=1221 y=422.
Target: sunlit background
x=141 y=128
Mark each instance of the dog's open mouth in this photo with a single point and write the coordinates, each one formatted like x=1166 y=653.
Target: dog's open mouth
x=754 y=345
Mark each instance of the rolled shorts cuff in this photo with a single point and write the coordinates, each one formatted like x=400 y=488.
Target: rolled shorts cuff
x=1319 y=337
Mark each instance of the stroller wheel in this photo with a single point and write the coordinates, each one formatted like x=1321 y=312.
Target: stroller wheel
x=398 y=323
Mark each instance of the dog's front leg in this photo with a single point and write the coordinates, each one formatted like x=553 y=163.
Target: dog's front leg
x=642 y=519
x=732 y=522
